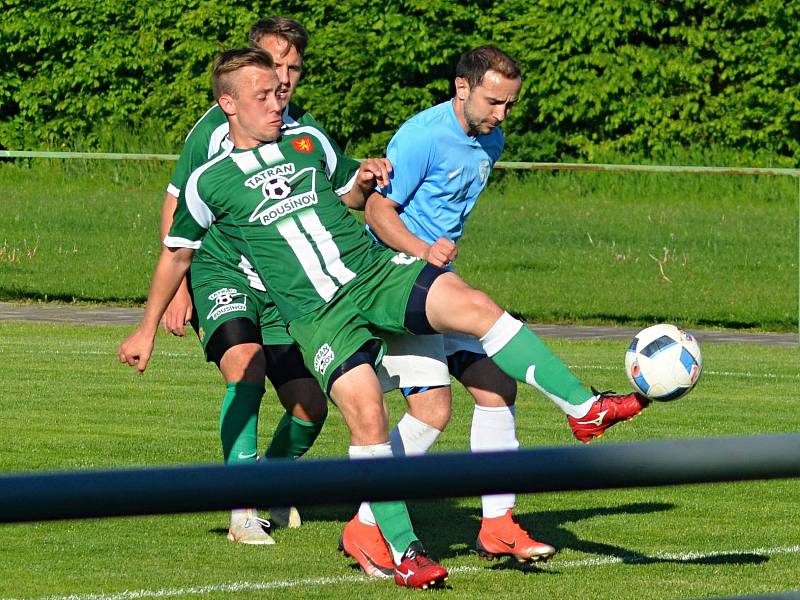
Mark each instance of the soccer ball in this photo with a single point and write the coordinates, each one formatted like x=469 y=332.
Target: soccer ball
x=276 y=188
x=663 y=362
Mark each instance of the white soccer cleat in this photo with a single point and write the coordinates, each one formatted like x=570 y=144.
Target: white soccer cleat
x=285 y=517
x=248 y=528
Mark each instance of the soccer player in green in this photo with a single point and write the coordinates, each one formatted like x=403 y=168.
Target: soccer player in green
x=237 y=323
x=269 y=194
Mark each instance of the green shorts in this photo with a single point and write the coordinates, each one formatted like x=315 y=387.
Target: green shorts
x=221 y=294
x=331 y=334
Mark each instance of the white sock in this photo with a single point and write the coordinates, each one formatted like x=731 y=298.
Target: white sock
x=374 y=451
x=499 y=334
x=412 y=437
x=494 y=430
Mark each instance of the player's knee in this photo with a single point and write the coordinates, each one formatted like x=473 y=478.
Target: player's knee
x=368 y=426
x=481 y=303
x=489 y=385
x=304 y=399
x=507 y=390
x=243 y=362
x=433 y=407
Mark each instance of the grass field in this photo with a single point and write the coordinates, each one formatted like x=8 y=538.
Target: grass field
x=66 y=404
x=708 y=251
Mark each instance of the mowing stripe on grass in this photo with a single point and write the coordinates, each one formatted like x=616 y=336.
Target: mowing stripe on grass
x=21 y=348
x=255 y=586
x=742 y=374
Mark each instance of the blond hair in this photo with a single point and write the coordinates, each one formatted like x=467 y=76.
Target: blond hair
x=231 y=61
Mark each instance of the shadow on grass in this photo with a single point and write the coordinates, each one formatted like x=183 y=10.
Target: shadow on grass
x=448 y=530
x=454 y=535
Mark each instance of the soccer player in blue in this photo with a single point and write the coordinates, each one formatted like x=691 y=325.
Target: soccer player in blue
x=441 y=161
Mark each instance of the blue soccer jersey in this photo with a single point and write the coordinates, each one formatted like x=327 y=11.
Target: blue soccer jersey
x=439 y=172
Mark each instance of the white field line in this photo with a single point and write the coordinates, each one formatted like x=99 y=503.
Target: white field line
x=112 y=352
x=254 y=586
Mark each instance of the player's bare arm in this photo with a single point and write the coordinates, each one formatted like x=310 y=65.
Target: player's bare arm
x=382 y=217
x=172 y=265
x=179 y=310
x=371 y=173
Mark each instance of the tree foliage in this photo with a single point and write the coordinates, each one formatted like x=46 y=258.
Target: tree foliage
x=630 y=77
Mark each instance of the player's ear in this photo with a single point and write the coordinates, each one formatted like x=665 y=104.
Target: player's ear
x=462 y=88
x=227 y=104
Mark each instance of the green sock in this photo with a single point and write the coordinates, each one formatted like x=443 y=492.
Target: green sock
x=550 y=375
x=395 y=524
x=238 y=422
x=293 y=437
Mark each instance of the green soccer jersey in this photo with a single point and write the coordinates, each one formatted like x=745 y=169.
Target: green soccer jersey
x=278 y=205
x=206 y=139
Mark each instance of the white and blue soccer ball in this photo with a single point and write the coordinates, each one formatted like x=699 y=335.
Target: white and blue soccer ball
x=663 y=362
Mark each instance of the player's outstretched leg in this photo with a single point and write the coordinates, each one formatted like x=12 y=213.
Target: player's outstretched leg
x=502 y=536
x=416 y=570
x=452 y=305
x=523 y=355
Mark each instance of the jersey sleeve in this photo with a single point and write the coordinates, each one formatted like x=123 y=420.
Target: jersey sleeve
x=192 y=217
x=410 y=152
x=203 y=141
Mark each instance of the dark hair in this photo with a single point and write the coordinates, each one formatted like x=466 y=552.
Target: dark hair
x=231 y=61
x=287 y=29
x=473 y=65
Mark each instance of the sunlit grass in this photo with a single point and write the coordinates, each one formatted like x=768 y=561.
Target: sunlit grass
x=65 y=403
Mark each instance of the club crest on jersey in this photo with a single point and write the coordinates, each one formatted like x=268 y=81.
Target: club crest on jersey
x=303 y=144
x=323 y=358
x=226 y=300
x=273 y=207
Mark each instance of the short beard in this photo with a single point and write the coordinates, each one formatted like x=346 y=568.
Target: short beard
x=473 y=125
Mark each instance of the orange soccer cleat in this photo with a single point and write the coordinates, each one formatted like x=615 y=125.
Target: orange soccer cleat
x=365 y=543
x=502 y=536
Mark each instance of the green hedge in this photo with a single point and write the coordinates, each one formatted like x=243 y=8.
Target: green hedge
x=632 y=77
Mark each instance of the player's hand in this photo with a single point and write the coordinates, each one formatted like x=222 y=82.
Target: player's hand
x=135 y=350
x=373 y=172
x=178 y=313
x=441 y=253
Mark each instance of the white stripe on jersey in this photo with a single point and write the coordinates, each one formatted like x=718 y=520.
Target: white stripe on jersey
x=270 y=154
x=347 y=186
x=252 y=276
x=179 y=242
x=219 y=139
x=304 y=252
x=200 y=120
x=246 y=161
x=326 y=246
